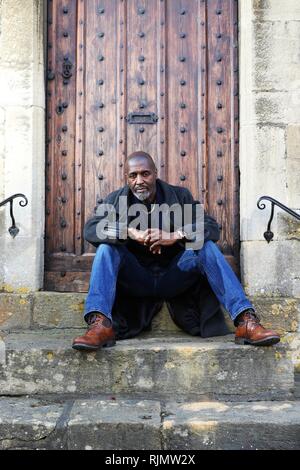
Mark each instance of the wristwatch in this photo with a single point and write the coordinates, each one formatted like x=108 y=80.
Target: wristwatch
x=182 y=234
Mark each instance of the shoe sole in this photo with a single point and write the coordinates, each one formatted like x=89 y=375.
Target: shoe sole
x=262 y=342
x=85 y=347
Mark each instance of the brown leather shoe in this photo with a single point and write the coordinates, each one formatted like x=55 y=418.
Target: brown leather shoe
x=99 y=334
x=250 y=331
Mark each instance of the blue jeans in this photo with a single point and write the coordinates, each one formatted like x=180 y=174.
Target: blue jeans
x=115 y=267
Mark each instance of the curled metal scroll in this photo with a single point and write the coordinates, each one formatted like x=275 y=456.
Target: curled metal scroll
x=13 y=230
x=269 y=234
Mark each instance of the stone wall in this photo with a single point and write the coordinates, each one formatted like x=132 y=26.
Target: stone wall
x=270 y=143
x=22 y=141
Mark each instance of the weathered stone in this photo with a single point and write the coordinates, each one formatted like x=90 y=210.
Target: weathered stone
x=29 y=424
x=277 y=108
x=281 y=314
x=275 y=55
x=288 y=226
x=15 y=311
x=20 y=277
x=265 y=169
x=227 y=426
x=65 y=310
x=293 y=166
x=43 y=362
x=22 y=102
x=20 y=30
x=114 y=425
x=271 y=269
x=57 y=309
x=272 y=10
x=163 y=322
x=292 y=340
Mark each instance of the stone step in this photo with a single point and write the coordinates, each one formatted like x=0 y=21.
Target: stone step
x=65 y=310
x=116 y=423
x=41 y=362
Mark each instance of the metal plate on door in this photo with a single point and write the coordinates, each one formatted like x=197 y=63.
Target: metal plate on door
x=142 y=118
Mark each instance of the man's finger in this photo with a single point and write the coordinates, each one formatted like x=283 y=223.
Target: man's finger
x=154 y=239
x=155 y=244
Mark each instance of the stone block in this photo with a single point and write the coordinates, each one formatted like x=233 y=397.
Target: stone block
x=65 y=310
x=22 y=32
x=114 y=425
x=280 y=314
x=23 y=261
x=232 y=426
x=23 y=86
x=293 y=166
x=262 y=174
x=277 y=271
x=58 y=310
x=15 y=311
x=163 y=322
x=29 y=424
x=181 y=366
x=275 y=10
x=25 y=167
x=282 y=107
x=275 y=55
x=288 y=226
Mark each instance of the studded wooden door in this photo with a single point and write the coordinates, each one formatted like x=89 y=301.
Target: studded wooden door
x=125 y=75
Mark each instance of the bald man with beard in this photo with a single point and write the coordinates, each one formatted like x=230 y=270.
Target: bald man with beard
x=152 y=264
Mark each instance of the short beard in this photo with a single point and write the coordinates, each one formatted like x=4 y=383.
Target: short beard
x=142 y=196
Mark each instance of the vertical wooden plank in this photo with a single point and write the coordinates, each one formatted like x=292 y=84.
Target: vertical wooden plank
x=202 y=105
x=101 y=109
x=220 y=130
x=183 y=76
x=121 y=66
x=162 y=92
x=79 y=188
x=60 y=194
x=141 y=73
x=235 y=125
x=50 y=139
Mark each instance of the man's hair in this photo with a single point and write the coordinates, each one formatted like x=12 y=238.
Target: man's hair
x=140 y=154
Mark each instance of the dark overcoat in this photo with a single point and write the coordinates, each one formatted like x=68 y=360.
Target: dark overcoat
x=196 y=311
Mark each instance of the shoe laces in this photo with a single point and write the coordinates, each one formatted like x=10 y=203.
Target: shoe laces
x=250 y=315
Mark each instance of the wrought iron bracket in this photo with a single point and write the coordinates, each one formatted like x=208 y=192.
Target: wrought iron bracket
x=269 y=234
x=13 y=230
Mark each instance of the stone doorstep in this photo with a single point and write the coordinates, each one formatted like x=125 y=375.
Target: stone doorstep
x=65 y=310
x=43 y=362
x=116 y=423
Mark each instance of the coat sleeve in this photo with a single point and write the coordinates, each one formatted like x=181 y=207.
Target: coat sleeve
x=211 y=227
x=91 y=228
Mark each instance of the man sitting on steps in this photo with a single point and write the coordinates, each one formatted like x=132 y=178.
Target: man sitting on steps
x=153 y=264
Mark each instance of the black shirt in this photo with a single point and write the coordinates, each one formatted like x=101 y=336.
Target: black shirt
x=142 y=252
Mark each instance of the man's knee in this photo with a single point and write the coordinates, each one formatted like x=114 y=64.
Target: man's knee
x=209 y=249
x=109 y=251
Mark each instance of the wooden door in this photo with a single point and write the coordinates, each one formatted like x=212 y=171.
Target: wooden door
x=126 y=75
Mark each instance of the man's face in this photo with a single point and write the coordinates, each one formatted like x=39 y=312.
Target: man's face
x=141 y=178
